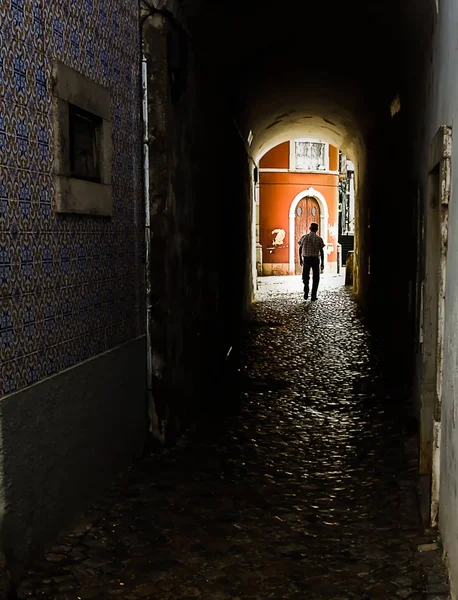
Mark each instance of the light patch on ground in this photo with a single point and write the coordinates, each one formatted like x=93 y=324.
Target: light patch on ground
x=292 y=284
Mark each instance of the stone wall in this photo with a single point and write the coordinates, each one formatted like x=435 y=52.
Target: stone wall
x=437 y=104
x=200 y=226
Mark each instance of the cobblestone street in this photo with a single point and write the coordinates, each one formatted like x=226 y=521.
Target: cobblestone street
x=308 y=493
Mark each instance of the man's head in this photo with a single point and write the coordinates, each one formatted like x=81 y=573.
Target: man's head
x=314 y=227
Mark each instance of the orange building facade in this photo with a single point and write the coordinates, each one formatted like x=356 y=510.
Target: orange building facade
x=298 y=184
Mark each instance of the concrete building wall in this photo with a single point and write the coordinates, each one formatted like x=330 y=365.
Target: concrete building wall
x=442 y=109
x=277 y=190
x=277 y=158
x=71 y=285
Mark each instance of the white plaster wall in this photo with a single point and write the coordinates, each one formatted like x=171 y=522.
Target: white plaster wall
x=442 y=100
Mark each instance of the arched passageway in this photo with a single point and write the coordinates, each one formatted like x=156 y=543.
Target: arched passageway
x=238 y=81
x=357 y=76
x=242 y=81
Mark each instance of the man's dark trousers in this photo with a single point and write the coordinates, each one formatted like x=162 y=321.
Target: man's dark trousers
x=311 y=262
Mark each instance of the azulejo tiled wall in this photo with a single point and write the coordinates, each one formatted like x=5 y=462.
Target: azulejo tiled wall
x=70 y=285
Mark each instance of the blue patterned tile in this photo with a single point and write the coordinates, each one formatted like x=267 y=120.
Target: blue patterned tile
x=103 y=13
x=104 y=65
x=23 y=135
x=18 y=74
x=75 y=44
x=50 y=305
x=65 y=264
x=84 y=254
x=51 y=317
x=84 y=347
x=32 y=366
x=116 y=72
x=44 y=138
x=3 y=80
x=38 y=22
x=51 y=330
x=48 y=267
x=4 y=12
x=9 y=378
x=27 y=267
x=68 y=325
x=20 y=19
x=7 y=331
x=42 y=77
x=89 y=9
x=56 y=27
x=29 y=329
x=52 y=360
x=5 y=209
x=25 y=77
x=4 y=144
x=82 y=311
x=97 y=306
x=89 y=57
x=58 y=33
x=67 y=350
x=18 y=14
x=25 y=213
x=7 y=268
x=46 y=218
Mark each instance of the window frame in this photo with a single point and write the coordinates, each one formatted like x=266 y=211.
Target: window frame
x=76 y=194
x=292 y=156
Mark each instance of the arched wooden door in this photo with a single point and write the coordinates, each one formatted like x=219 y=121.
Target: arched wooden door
x=307 y=211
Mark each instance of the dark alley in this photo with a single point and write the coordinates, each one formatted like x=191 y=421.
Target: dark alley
x=310 y=492
x=168 y=171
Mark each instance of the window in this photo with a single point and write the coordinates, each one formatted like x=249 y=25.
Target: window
x=309 y=155
x=84 y=144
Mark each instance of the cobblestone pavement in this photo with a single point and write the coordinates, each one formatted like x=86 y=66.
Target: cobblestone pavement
x=308 y=493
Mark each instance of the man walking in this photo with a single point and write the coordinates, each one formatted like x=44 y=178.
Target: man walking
x=310 y=251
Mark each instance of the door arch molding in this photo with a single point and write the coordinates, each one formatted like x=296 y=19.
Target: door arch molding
x=324 y=218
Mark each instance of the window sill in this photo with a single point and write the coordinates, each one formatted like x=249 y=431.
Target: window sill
x=316 y=172
x=83 y=197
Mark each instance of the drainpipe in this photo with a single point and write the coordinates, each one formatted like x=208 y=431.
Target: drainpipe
x=153 y=424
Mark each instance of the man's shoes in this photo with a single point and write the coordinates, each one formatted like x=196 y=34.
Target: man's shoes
x=314 y=299
x=306 y=297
